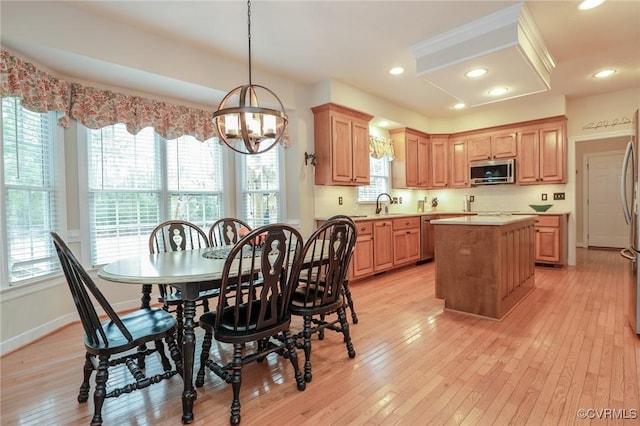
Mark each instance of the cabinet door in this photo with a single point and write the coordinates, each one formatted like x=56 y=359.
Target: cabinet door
x=459 y=176
x=439 y=162
x=411 y=152
x=527 y=163
x=382 y=245
x=413 y=245
x=406 y=246
x=503 y=145
x=341 y=147
x=362 y=259
x=400 y=246
x=480 y=148
x=423 y=163
x=360 y=153
x=547 y=244
x=552 y=155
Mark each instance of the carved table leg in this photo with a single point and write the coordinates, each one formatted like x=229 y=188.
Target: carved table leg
x=145 y=300
x=189 y=394
x=145 y=303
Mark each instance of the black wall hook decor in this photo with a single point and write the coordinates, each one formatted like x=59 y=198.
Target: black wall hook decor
x=308 y=157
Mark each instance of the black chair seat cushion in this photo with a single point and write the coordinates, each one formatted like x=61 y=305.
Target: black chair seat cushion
x=301 y=305
x=227 y=328
x=141 y=324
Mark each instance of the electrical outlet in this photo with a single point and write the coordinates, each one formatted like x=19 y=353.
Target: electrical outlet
x=471 y=198
x=544 y=197
x=394 y=200
x=558 y=195
x=340 y=201
x=400 y=200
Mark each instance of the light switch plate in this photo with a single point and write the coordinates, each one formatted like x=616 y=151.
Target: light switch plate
x=544 y=197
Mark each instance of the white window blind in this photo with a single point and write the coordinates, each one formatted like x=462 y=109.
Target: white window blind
x=380 y=180
x=195 y=180
x=30 y=191
x=139 y=181
x=124 y=191
x=260 y=177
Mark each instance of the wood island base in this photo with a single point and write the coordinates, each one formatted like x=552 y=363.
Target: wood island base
x=484 y=266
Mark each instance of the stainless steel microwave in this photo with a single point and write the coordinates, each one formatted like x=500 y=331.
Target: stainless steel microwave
x=492 y=172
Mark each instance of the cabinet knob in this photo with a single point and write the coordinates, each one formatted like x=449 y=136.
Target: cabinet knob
x=363 y=228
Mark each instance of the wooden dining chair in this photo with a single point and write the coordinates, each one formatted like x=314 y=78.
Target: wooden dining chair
x=117 y=336
x=179 y=235
x=257 y=321
x=345 y=287
x=318 y=287
x=227 y=231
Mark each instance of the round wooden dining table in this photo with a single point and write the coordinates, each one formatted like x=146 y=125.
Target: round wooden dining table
x=191 y=272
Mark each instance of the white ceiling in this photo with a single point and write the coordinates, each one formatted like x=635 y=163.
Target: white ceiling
x=354 y=42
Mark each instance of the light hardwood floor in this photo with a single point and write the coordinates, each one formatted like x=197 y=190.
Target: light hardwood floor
x=566 y=347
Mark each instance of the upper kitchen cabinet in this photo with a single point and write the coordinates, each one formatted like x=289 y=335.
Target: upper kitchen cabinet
x=411 y=165
x=341 y=145
x=439 y=161
x=489 y=146
x=459 y=165
x=542 y=151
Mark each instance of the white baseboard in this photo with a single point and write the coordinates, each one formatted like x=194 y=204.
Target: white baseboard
x=17 y=342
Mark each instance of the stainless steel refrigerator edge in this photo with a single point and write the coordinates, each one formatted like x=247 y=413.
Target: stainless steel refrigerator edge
x=630 y=207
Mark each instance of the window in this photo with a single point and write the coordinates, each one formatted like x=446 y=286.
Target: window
x=260 y=177
x=137 y=181
x=195 y=180
x=380 y=180
x=31 y=191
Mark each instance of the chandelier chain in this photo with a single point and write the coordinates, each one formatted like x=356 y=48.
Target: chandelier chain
x=249 y=35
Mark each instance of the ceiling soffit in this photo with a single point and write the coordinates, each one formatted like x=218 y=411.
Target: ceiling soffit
x=508 y=37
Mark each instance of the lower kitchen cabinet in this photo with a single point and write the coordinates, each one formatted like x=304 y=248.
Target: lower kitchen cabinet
x=406 y=240
x=551 y=240
x=382 y=245
x=362 y=259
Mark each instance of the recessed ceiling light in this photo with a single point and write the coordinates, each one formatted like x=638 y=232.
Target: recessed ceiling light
x=459 y=105
x=478 y=72
x=383 y=123
x=396 y=70
x=604 y=73
x=590 y=4
x=498 y=91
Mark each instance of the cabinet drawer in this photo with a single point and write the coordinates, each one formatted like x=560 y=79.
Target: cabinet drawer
x=364 y=228
x=406 y=223
x=548 y=221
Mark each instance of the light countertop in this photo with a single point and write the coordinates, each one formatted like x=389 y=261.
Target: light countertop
x=361 y=217
x=494 y=219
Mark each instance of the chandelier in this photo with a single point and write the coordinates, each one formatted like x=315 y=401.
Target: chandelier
x=244 y=125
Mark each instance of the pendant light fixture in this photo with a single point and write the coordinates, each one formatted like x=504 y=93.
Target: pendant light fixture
x=244 y=125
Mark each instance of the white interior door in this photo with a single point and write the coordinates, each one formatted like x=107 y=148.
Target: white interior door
x=606 y=224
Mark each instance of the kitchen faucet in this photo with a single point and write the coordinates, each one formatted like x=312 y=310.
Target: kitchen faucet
x=378 y=208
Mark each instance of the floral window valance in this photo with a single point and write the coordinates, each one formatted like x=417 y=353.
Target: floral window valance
x=380 y=147
x=96 y=108
x=39 y=91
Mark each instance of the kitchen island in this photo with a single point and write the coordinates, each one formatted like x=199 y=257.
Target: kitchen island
x=484 y=263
